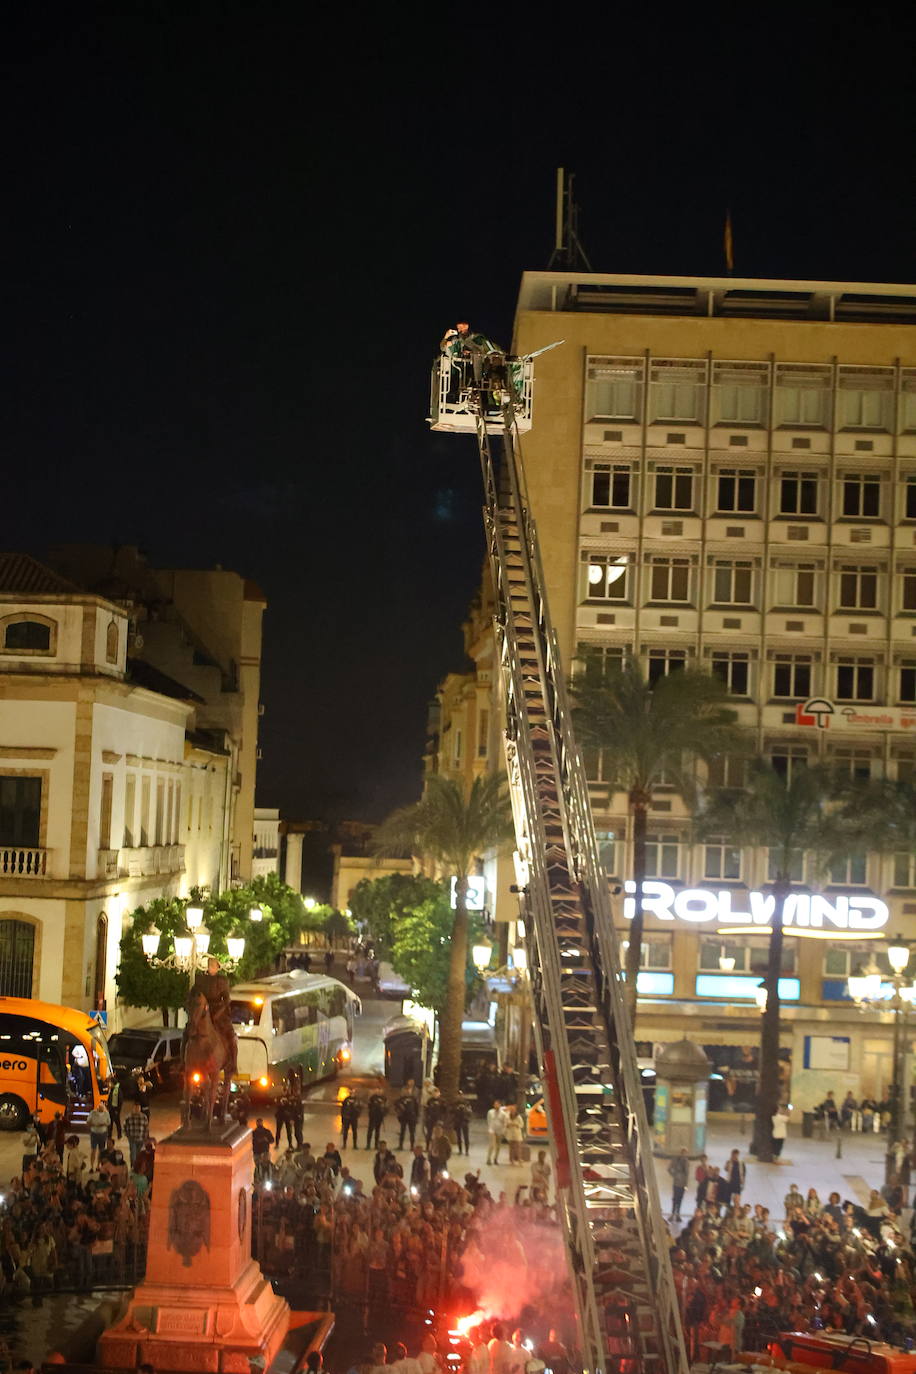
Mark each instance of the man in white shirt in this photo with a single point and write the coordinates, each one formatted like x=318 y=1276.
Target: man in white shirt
x=519 y=1353
x=428 y=1358
x=479 y=1358
x=496 y=1122
x=404 y=1363
x=501 y=1353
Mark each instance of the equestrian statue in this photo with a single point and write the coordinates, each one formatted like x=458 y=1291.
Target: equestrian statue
x=210 y=1046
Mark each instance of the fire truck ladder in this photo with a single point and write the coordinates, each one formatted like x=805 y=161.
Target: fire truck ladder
x=616 y=1238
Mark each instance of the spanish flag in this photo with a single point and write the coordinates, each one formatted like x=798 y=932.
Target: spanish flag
x=728 y=245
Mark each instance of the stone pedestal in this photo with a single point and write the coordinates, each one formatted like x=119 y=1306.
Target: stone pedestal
x=205 y=1305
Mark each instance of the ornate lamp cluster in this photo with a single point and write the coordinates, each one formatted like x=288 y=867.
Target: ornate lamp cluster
x=191 y=949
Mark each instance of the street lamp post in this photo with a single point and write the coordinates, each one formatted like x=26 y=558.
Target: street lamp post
x=190 y=949
x=866 y=989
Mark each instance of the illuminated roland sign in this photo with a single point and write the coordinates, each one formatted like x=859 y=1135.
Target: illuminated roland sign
x=859 y=913
x=477 y=892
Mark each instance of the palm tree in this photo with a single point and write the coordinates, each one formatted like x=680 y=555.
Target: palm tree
x=792 y=815
x=650 y=734
x=452 y=828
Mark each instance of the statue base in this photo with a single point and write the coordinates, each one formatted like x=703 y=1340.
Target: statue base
x=204 y=1305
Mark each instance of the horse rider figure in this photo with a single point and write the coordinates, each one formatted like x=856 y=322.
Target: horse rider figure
x=214 y=985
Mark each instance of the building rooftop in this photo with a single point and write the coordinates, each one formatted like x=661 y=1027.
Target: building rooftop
x=20 y=573
x=143 y=674
x=729 y=297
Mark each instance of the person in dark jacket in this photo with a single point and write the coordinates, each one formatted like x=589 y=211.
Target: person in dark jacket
x=433 y=1115
x=350 y=1112
x=460 y=1120
x=406 y=1111
x=419 y=1172
x=378 y=1110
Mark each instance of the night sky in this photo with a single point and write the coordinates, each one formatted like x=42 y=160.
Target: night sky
x=233 y=235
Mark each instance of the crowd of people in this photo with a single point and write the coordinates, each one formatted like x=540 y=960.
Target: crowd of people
x=415 y=1238
x=830 y=1265
x=74 y=1218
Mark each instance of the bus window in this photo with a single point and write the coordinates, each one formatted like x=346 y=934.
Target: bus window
x=246 y=1011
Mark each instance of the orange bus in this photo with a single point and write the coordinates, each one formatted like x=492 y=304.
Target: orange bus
x=52 y=1059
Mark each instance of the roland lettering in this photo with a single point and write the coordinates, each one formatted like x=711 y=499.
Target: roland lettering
x=711 y=906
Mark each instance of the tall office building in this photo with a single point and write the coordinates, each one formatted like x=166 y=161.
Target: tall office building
x=723 y=474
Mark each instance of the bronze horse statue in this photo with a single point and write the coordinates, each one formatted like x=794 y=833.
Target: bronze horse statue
x=205 y=1057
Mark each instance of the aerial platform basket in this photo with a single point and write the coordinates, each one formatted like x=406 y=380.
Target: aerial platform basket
x=453 y=393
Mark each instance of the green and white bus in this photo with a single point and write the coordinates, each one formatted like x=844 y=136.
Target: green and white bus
x=302 y=1020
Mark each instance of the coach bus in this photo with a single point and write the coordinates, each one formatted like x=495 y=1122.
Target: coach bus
x=304 y=1021
x=52 y=1059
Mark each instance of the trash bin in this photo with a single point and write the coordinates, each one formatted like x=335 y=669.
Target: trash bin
x=807 y=1125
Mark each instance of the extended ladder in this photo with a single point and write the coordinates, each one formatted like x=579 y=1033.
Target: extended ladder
x=616 y=1238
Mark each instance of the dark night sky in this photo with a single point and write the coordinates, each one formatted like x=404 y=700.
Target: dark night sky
x=233 y=234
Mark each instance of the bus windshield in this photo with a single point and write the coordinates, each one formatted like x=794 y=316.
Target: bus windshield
x=246 y=1011
x=100 y=1055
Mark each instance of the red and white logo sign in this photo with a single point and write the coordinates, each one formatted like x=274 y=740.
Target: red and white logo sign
x=815 y=712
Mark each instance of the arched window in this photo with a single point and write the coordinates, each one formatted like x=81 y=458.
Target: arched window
x=101 y=962
x=17 y=956
x=32 y=636
x=111 y=642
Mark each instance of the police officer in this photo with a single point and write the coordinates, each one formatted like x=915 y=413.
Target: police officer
x=378 y=1110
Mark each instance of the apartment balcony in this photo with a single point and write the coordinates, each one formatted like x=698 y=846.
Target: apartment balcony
x=146 y=861
x=16 y=862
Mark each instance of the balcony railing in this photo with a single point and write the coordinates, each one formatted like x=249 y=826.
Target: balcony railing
x=23 y=863
x=142 y=862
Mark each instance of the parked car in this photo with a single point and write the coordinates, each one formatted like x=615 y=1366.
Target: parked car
x=157 y=1049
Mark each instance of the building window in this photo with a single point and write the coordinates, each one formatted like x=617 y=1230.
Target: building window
x=786 y=758
x=733 y=669
x=722 y=861
x=20 y=813
x=676 y=392
x=905 y=870
x=27 y=636
x=907 y=693
x=866 y=398
x=654 y=952
x=740 y=394
x=665 y=661
x=596 y=661
x=111 y=642
x=748 y=957
x=736 y=490
x=597 y=764
x=798 y=493
x=130 y=810
x=855 y=679
x=607 y=577
x=849 y=871
x=670 y=580
x=611 y=485
x=855 y=764
x=907 y=581
x=733 y=582
x=673 y=488
x=858 y=588
x=105 y=811
x=613 y=389
x=483 y=734
x=101 y=962
x=17 y=958
x=728 y=770
x=796 y=585
x=662 y=856
x=607 y=850
x=861 y=496
x=802 y=397
x=796 y=872
x=792 y=676
x=909 y=497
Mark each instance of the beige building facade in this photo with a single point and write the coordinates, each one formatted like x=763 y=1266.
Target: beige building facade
x=723 y=475
x=111 y=793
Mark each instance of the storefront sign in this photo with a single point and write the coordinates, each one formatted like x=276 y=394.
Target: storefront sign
x=858 y=913
x=476 y=894
x=831 y=715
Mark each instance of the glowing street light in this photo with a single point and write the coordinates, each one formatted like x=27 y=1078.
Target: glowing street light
x=255 y=914
x=481 y=955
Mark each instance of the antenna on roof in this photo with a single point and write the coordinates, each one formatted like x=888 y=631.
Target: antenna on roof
x=567 y=252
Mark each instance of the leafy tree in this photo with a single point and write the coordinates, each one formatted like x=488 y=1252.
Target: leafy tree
x=452 y=828
x=650 y=733
x=337 y=925
x=379 y=903
x=421 y=951
x=792 y=815
x=138 y=982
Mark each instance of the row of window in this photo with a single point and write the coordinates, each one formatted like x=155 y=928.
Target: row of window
x=795 y=677
x=669 y=857
x=749 y=394
x=797 y=585
x=751 y=957
x=23 y=634
x=791 y=492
